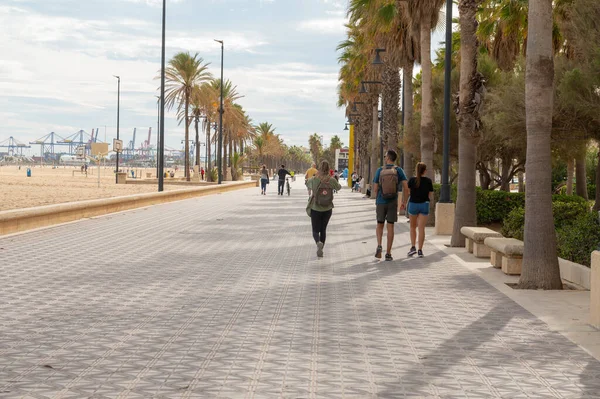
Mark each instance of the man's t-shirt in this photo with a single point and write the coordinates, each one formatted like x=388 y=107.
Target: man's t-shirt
x=401 y=177
x=310 y=173
x=419 y=195
x=282 y=174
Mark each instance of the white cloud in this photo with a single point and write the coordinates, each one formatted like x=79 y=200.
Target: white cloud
x=324 y=25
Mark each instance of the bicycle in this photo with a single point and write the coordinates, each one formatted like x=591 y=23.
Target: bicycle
x=287 y=186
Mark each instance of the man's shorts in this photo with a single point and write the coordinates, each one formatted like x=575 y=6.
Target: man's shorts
x=387 y=212
x=418 y=209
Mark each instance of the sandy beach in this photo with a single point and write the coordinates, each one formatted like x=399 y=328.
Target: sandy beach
x=65 y=184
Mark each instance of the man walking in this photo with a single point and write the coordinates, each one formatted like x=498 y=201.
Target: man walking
x=309 y=174
x=282 y=173
x=387 y=183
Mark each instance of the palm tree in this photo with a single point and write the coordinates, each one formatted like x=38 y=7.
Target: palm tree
x=540 y=261
x=336 y=143
x=425 y=15
x=316 y=148
x=468 y=121
x=183 y=73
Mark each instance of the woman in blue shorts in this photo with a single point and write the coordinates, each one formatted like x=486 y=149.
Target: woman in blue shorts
x=421 y=191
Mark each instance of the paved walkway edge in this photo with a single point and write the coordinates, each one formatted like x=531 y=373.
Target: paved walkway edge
x=19 y=220
x=566 y=312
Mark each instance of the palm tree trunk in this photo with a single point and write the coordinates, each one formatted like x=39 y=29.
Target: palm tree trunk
x=570 y=173
x=408 y=117
x=540 y=262
x=208 y=152
x=224 y=162
x=597 y=204
x=391 y=106
x=580 y=175
x=197 y=143
x=427 y=127
x=187 y=137
x=374 y=142
x=465 y=214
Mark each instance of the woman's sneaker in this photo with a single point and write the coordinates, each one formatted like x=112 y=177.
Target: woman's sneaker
x=320 y=249
x=388 y=257
x=412 y=251
x=421 y=253
x=378 y=252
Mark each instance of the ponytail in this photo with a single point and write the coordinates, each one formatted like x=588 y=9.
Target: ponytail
x=421 y=168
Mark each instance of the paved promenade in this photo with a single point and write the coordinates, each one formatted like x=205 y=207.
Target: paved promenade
x=223 y=296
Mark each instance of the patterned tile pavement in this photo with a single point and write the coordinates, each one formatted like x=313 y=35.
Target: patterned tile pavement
x=223 y=297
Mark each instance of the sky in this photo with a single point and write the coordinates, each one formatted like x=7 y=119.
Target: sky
x=58 y=59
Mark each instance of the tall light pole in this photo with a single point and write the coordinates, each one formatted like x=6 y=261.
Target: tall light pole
x=118 y=120
x=161 y=149
x=220 y=151
x=445 y=190
x=157 y=131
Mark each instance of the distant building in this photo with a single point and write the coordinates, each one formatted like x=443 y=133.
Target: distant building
x=341 y=158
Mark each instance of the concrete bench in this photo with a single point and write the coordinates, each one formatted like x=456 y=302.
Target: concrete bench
x=475 y=237
x=506 y=253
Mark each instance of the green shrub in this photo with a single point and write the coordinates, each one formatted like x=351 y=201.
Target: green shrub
x=493 y=206
x=577 y=240
x=564 y=213
x=514 y=224
x=592 y=191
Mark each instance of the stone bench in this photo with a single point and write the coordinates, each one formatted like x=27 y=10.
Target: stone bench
x=475 y=237
x=506 y=253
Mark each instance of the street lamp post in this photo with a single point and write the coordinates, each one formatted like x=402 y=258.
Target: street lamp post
x=157 y=131
x=445 y=190
x=161 y=149
x=220 y=152
x=118 y=119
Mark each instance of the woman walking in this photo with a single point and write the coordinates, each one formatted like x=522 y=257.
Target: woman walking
x=320 y=204
x=264 y=180
x=421 y=191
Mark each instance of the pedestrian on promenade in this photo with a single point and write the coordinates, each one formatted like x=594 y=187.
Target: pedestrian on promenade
x=282 y=173
x=388 y=182
x=320 y=204
x=202 y=173
x=309 y=174
x=354 y=180
x=421 y=192
x=264 y=180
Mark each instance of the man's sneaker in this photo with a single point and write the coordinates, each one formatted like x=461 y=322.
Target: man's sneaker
x=320 y=249
x=421 y=253
x=378 y=252
x=388 y=257
x=412 y=251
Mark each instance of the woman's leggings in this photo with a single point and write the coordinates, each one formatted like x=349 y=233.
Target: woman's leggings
x=319 y=224
x=263 y=184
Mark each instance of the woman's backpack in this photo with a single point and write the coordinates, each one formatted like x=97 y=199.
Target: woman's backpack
x=324 y=193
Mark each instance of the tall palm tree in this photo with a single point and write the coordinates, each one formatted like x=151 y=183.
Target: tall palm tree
x=468 y=120
x=540 y=262
x=425 y=14
x=183 y=73
x=314 y=143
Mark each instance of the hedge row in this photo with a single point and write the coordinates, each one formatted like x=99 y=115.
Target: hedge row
x=577 y=230
x=493 y=206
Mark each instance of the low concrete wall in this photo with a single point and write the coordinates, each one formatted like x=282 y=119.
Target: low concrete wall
x=595 y=291
x=171 y=182
x=32 y=218
x=575 y=273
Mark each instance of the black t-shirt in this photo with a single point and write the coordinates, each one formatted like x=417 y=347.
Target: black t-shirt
x=282 y=174
x=421 y=194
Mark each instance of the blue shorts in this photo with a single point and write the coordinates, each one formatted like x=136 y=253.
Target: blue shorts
x=418 y=209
